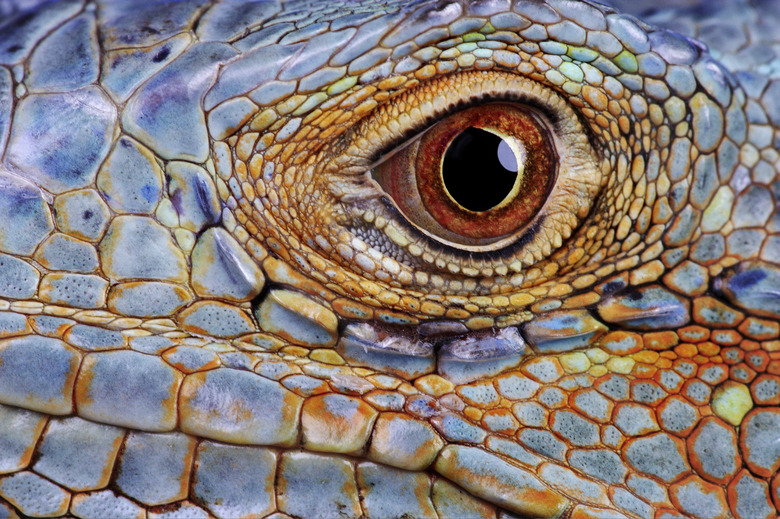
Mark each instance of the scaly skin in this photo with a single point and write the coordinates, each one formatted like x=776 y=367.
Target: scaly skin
x=208 y=309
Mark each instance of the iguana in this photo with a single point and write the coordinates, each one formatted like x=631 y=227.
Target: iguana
x=389 y=259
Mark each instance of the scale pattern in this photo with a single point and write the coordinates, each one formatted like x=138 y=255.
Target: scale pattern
x=192 y=323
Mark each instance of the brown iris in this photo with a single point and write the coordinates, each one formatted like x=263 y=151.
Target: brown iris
x=481 y=174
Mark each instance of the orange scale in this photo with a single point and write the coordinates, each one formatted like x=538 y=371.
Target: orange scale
x=668 y=379
x=759 y=329
x=644 y=371
x=686 y=350
x=742 y=373
x=726 y=337
x=659 y=341
x=708 y=349
x=694 y=333
x=758 y=360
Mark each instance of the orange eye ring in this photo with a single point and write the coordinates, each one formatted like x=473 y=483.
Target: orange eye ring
x=524 y=141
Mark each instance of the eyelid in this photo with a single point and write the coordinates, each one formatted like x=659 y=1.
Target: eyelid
x=389 y=154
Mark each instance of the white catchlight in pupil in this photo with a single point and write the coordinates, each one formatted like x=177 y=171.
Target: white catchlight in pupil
x=507 y=157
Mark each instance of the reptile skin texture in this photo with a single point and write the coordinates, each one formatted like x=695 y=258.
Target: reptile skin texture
x=253 y=264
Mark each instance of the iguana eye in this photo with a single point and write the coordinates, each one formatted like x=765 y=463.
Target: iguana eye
x=480 y=174
x=473 y=172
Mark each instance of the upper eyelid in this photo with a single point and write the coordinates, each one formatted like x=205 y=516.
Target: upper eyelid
x=418 y=131
x=533 y=100
x=394 y=149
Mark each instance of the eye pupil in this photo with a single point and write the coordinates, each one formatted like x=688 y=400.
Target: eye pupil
x=479 y=169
